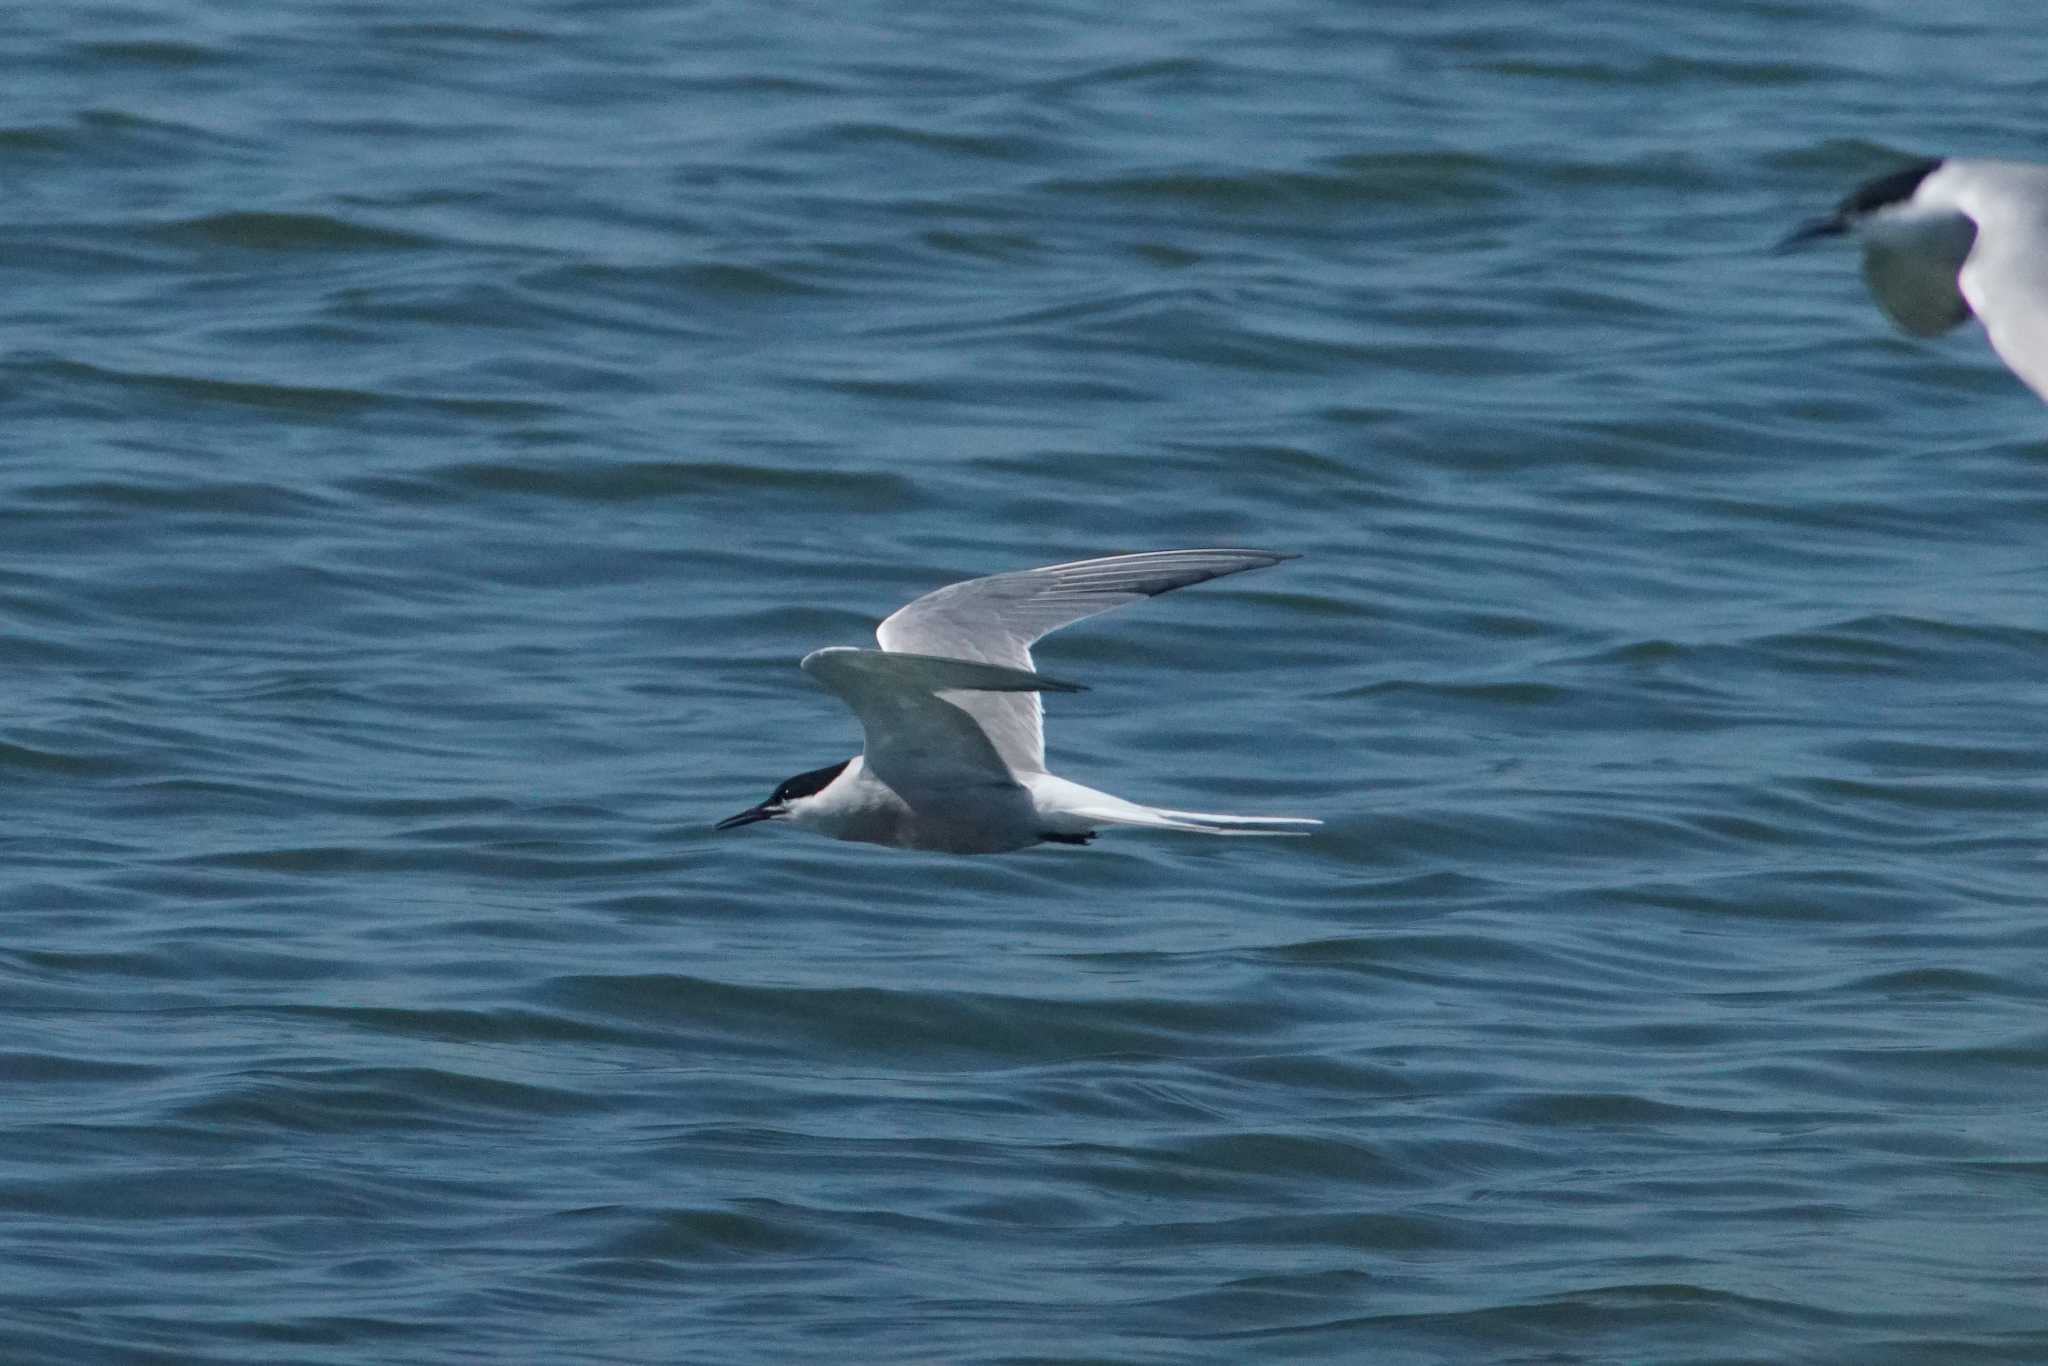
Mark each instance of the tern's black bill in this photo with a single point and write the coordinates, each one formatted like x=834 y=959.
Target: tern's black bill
x=1831 y=226
x=746 y=817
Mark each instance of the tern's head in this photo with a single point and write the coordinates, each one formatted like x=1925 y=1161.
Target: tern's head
x=1915 y=238
x=1870 y=207
x=788 y=796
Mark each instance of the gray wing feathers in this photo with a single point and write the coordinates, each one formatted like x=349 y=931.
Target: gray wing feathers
x=846 y=670
x=2005 y=278
x=2008 y=291
x=996 y=619
x=913 y=736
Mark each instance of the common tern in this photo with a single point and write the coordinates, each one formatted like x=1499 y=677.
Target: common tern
x=954 y=753
x=1943 y=239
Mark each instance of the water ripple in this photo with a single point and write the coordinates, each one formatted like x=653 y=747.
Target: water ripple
x=433 y=442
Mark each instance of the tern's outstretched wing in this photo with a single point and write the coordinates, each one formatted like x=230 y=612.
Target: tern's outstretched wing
x=996 y=619
x=916 y=741
x=2006 y=276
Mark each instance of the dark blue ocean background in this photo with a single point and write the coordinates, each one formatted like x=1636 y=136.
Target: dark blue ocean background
x=429 y=437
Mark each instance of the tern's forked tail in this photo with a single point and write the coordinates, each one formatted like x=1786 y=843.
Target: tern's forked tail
x=1085 y=807
x=1207 y=823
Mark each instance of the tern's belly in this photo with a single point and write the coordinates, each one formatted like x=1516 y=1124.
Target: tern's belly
x=985 y=819
x=980 y=820
x=966 y=818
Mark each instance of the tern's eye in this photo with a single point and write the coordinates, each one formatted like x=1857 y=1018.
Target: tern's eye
x=809 y=784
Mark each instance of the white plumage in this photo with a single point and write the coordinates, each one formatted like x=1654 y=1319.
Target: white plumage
x=954 y=754
x=1945 y=239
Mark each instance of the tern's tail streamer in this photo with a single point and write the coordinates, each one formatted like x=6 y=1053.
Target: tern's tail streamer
x=1204 y=822
x=1084 y=807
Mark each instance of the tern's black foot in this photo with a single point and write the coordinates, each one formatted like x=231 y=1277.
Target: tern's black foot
x=1068 y=839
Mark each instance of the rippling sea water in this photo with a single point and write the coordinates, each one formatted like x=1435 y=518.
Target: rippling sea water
x=431 y=442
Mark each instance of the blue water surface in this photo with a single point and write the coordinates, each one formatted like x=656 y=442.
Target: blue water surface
x=431 y=439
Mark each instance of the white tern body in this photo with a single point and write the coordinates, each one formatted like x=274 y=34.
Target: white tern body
x=954 y=756
x=1943 y=240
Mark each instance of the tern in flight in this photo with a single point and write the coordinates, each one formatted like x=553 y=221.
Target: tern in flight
x=954 y=754
x=1945 y=239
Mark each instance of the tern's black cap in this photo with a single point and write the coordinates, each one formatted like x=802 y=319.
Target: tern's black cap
x=809 y=784
x=802 y=785
x=1894 y=188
